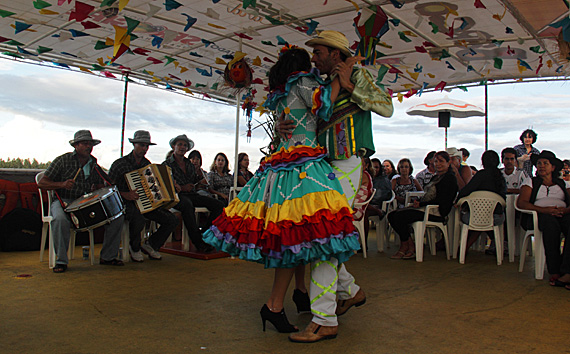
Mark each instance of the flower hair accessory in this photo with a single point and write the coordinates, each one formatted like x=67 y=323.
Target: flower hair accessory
x=287 y=47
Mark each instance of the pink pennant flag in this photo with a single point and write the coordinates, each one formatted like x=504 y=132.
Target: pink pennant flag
x=61 y=2
x=108 y=74
x=479 y=5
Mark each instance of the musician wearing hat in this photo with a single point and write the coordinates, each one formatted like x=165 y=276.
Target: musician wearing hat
x=165 y=219
x=186 y=181
x=70 y=176
x=347 y=137
x=549 y=195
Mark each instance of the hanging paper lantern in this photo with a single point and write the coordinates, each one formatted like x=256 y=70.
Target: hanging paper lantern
x=238 y=74
x=370 y=24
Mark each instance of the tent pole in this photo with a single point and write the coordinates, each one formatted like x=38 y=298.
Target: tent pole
x=124 y=112
x=486 y=120
x=236 y=167
x=445 y=138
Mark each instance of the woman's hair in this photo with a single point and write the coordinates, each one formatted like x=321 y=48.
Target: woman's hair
x=195 y=153
x=428 y=157
x=241 y=156
x=381 y=169
x=565 y=162
x=490 y=160
x=405 y=159
x=368 y=168
x=290 y=61
x=226 y=167
x=530 y=132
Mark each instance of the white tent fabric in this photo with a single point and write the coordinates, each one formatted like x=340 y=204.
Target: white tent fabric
x=184 y=45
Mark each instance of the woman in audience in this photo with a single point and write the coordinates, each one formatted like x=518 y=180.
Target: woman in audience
x=566 y=170
x=389 y=169
x=549 y=195
x=425 y=175
x=202 y=187
x=383 y=192
x=220 y=178
x=366 y=188
x=405 y=182
x=525 y=150
x=489 y=179
x=244 y=175
x=440 y=191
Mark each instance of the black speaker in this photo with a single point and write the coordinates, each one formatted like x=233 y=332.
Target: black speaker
x=443 y=119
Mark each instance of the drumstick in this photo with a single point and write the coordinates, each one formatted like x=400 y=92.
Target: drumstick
x=77 y=174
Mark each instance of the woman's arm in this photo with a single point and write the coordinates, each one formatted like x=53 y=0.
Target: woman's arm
x=524 y=203
x=418 y=185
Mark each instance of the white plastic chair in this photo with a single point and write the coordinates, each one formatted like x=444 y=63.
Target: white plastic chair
x=46 y=230
x=539 y=255
x=481 y=204
x=359 y=224
x=382 y=226
x=420 y=228
x=410 y=195
x=234 y=192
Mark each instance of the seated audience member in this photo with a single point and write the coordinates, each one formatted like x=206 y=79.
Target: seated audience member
x=549 y=195
x=389 y=169
x=405 y=182
x=462 y=173
x=566 y=170
x=186 y=181
x=244 y=174
x=441 y=191
x=71 y=176
x=137 y=221
x=525 y=150
x=464 y=156
x=220 y=178
x=425 y=175
x=365 y=189
x=489 y=179
x=514 y=176
x=383 y=192
x=202 y=187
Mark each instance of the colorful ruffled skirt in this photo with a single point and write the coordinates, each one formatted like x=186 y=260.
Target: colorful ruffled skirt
x=291 y=212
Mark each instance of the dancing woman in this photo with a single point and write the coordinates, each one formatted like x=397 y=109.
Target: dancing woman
x=292 y=211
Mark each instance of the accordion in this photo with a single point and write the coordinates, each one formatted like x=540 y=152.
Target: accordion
x=155 y=188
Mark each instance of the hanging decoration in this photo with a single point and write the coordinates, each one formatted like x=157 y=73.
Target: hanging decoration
x=371 y=24
x=248 y=107
x=238 y=74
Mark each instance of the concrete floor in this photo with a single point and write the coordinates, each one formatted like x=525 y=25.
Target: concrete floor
x=184 y=305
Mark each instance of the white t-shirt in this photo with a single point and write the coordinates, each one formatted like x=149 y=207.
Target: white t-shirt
x=515 y=179
x=548 y=196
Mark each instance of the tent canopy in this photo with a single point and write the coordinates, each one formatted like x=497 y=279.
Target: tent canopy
x=185 y=44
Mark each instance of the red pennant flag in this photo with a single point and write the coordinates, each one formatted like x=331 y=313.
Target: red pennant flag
x=187 y=83
x=243 y=35
x=428 y=44
x=257 y=81
x=421 y=49
x=108 y=74
x=393 y=70
x=479 y=5
x=268 y=60
x=81 y=11
x=154 y=61
x=441 y=86
x=174 y=77
x=141 y=51
x=89 y=25
x=410 y=93
x=390 y=92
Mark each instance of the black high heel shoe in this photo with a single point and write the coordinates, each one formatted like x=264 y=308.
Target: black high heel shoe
x=278 y=319
x=302 y=301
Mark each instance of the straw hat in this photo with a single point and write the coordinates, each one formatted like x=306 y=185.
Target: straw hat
x=452 y=151
x=549 y=155
x=331 y=39
x=182 y=137
x=141 y=136
x=84 y=135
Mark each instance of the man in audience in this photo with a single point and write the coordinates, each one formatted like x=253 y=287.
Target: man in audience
x=512 y=174
x=72 y=175
x=165 y=219
x=425 y=175
x=462 y=172
x=465 y=154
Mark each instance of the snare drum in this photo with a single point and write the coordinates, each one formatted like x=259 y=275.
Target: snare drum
x=96 y=208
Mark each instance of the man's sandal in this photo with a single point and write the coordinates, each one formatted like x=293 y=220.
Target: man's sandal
x=60 y=268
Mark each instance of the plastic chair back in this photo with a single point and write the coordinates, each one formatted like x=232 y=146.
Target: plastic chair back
x=482 y=205
x=359 y=224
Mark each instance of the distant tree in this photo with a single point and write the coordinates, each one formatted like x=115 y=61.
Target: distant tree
x=23 y=163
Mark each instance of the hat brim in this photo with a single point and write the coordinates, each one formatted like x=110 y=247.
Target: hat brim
x=188 y=141
x=94 y=141
x=323 y=41
x=558 y=164
x=140 y=141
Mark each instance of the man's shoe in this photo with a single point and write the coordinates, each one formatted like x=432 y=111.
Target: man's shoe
x=314 y=333
x=150 y=252
x=205 y=248
x=136 y=256
x=344 y=305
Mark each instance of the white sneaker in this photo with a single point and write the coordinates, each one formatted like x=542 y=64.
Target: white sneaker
x=136 y=256
x=150 y=252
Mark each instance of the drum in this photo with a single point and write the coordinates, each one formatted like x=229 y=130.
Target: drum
x=96 y=208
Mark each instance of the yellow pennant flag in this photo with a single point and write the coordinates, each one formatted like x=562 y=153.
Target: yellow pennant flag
x=122 y=4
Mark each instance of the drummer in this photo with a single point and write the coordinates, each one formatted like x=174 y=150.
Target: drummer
x=167 y=221
x=72 y=175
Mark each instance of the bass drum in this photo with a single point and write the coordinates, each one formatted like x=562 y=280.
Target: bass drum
x=96 y=208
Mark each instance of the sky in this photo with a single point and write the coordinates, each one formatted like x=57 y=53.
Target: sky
x=41 y=108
